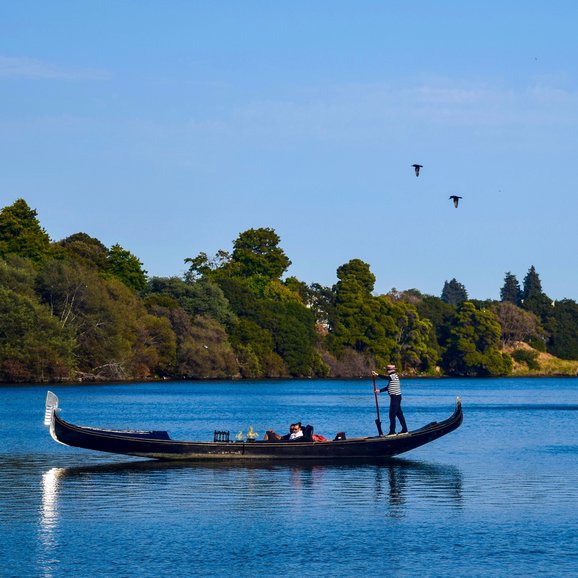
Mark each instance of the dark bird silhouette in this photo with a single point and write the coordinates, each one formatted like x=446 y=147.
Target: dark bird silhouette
x=417 y=167
x=456 y=200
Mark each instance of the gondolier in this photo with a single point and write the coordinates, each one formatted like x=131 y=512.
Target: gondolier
x=394 y=390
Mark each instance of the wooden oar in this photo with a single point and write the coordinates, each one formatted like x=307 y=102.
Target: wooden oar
x=378 y=420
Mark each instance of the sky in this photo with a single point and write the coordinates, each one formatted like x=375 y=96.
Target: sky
x=170 y=127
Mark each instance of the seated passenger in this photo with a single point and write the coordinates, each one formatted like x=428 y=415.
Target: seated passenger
x=295 y=432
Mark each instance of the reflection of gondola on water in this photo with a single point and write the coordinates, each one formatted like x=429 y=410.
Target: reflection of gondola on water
x=388 y=486
x=405 y=481
x=159 y=445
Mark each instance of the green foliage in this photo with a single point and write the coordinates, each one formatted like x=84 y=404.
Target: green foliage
x=358 y=319
x=203 y=349
x=321 y=301
x=126 y=267
x=105 y=317
x=473 y=345
x=389 y=332
x=563 y=324
x=293 y=328
x=201 y=266
x=532 y=284
x=534 y=299
x=85 y=249
x=356 y=272
x=440 y=314
x=255 y=350
x=155 y=348
x=75 y=309
x=416 y=339
x=298 y=287
x=537 y=343
x=527 y=356
x=257 y=252
x=18 y=274
x=511 y=291
x=21 y=233
x=200 y=297
x=454 y=293
x=33 y=347
x=275 y=332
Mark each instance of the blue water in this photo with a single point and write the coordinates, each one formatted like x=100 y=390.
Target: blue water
x=497 y=497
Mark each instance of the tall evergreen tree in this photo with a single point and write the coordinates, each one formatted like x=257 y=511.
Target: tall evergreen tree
x=534 y=299
x=21 y=233
x=454 y=293
x=375 y=327
x=532 y=284
x=126 y=266
x=511 y=291
x=355 y=310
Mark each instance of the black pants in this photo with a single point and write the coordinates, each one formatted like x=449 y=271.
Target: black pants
x=395 y=411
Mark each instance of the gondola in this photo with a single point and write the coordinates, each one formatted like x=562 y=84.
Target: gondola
x=159 y=445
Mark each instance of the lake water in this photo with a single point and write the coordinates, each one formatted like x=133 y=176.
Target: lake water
x=497 y=497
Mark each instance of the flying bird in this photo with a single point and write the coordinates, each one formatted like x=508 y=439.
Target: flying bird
x=456 y=200
x=417 y=167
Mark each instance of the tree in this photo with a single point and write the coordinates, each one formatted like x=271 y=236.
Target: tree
x=358 y=272
x=441 y=315
x=124 y=265
x=292 y=326
x=86 y=249
x=454 y=293
x=321 y=301
x=200 y=297
x=257 y=252
x=361 y=321
x=275 y=331
x=416 y=339
x=532 y=284
x=534 y=299
x=107 y=320
x=511 y=291
x=255 y=346
x=516 y=324
x=21 y=233
x=355 y=310
x=33 y=345
x=155 y=349
x=201 y=266
x=473 y=345
x=563 y=326
x=203 y=348
x=19 y=274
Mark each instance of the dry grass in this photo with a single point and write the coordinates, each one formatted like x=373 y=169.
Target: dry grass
x=549 y=365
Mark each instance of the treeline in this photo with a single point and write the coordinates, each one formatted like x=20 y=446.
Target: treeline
x=75 y=309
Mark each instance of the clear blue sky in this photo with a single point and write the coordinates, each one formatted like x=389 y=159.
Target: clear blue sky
x=172 y=126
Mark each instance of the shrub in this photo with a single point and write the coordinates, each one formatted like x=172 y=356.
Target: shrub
x=527 y=356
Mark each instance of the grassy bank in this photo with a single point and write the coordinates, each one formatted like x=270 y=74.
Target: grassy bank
x=543 y=363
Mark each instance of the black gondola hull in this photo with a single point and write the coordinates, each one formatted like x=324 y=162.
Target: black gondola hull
x=158 y=445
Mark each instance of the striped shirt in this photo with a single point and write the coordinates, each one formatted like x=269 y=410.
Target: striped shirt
x=394 y=387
